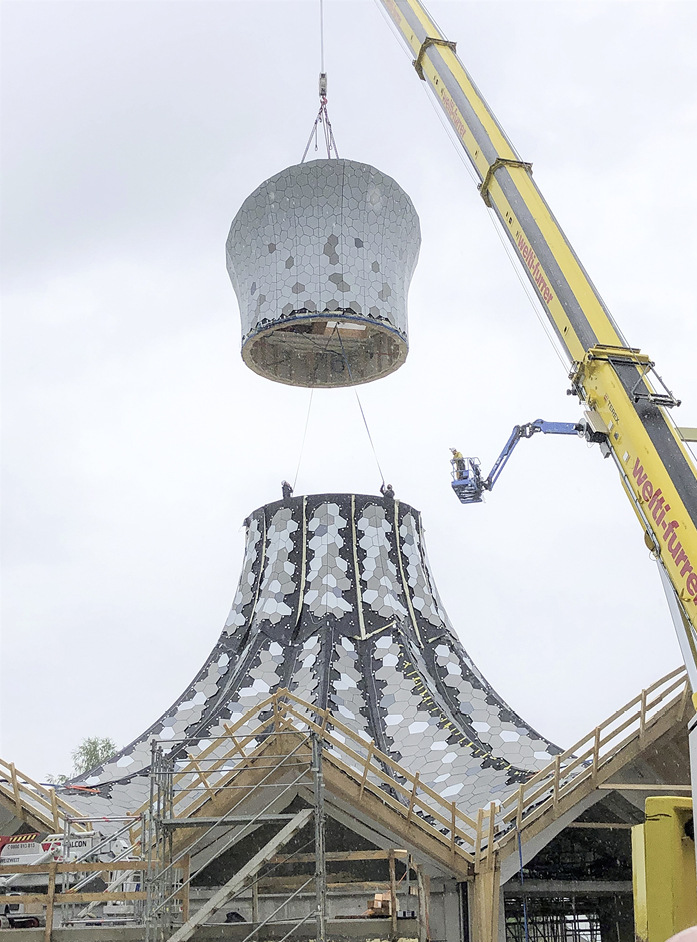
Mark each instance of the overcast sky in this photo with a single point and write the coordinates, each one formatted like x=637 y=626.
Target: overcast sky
x=135 y=440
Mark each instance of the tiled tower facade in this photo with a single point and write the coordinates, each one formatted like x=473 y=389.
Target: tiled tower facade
x=336 y=603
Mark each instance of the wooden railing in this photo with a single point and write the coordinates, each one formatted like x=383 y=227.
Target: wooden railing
x=403 y=792
x=587 y=762
x=28 y=799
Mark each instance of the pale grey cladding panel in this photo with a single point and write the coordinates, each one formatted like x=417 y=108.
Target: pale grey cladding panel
x=279 y=579
x=382 y=590
x=416 y=571
x=328 y=582
x=245 y=590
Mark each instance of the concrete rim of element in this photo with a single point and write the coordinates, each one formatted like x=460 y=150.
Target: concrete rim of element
x=332 y=350
x=321 y=256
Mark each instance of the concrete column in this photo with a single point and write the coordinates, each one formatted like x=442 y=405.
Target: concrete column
x=422 y=885
x=451 y=912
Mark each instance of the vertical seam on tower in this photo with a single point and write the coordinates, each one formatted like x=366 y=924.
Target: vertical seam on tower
x=342 y=255
x=261 y=571
x=327 y=660
x=381 y=738
x=401 y=570
x=423 y=556
x=359 y=597
x=302 y=566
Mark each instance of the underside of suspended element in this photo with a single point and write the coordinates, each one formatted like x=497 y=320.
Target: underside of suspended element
x=332 y=350
x=320 y=257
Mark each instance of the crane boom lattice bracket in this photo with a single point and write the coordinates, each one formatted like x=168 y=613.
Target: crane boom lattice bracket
x=497 y=164
x=430 y=41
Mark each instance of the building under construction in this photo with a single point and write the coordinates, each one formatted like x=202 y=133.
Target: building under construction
x=339 y=768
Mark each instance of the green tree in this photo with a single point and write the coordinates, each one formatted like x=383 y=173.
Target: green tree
x=92 y=751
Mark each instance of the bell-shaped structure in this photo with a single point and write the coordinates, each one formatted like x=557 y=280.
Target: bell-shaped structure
x=320 y=257
x=336 y=604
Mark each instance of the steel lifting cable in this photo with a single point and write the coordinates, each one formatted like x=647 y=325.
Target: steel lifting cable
x=323 y=120
x=323 y=347
x=360 y=406
x=323 y=115
x=302 y=446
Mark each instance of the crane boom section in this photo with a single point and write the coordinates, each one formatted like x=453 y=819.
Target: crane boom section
x=656 y=469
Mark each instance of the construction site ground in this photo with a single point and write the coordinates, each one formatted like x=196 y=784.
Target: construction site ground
x=367 y=930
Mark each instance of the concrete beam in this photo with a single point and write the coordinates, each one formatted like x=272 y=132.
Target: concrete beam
x=563 y=887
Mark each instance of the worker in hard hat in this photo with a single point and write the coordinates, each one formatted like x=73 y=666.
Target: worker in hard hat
x=458 y=463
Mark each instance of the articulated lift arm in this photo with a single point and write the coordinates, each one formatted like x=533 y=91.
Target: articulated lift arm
x=468 y=483
x=612 y=379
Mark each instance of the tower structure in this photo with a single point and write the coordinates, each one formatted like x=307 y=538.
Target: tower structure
x=336 y=604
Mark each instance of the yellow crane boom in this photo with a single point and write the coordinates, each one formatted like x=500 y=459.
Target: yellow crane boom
x=614 y=381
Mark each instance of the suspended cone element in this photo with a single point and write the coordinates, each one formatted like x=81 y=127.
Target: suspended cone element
x=336 y=603
x=320 y=257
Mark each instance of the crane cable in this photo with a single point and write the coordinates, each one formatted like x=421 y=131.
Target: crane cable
x=302 y=446
x=493 y=219
x=360 y=406
x=322 y=119
x=323 y=347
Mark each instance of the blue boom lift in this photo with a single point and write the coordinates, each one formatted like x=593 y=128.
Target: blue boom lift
x=468 y=482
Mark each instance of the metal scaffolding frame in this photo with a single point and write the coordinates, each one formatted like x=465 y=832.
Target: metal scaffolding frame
x=553 y=919
x=172 y=863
